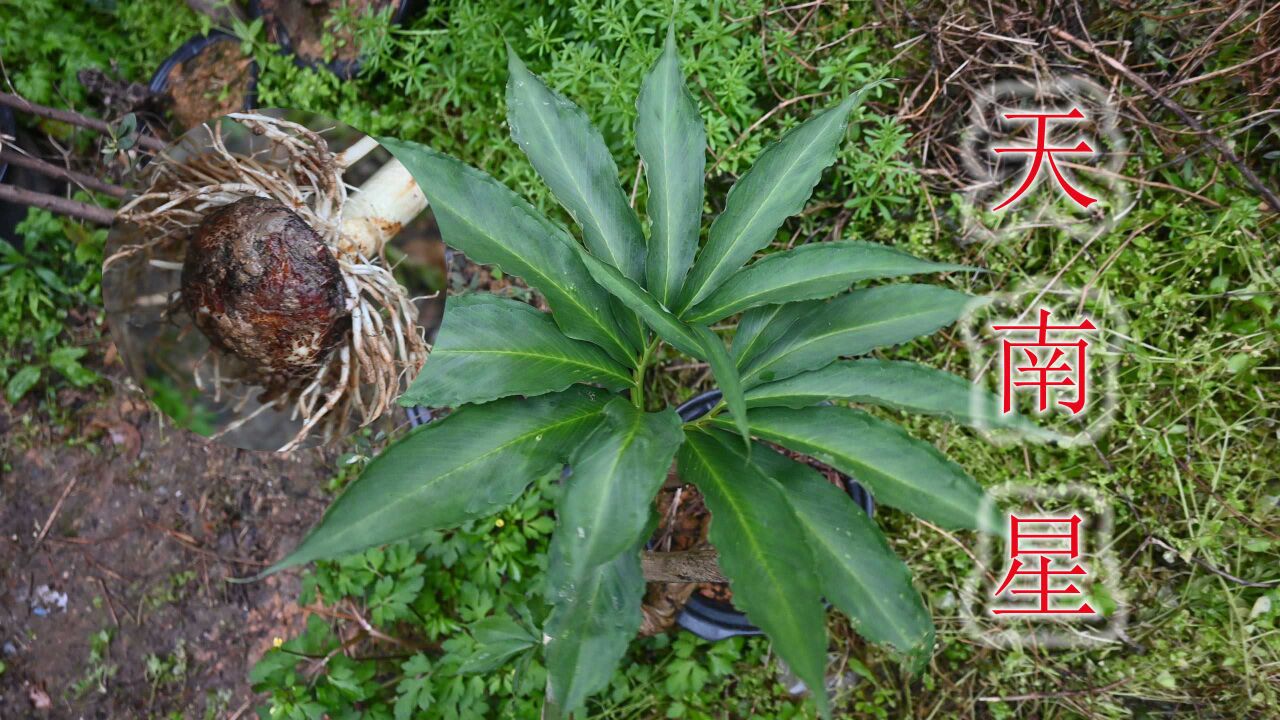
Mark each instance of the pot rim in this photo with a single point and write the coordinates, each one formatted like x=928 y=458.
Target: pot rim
x=194 y=46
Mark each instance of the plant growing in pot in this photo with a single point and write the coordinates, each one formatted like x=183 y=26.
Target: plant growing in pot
x=537 y=392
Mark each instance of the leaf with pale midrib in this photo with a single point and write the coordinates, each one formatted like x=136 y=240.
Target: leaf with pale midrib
x=900 y=471
x=616 y=471
x=817 y=270
x=468 y=465
x=672 y=143
x=490 y=224
x=762 y=552
x=854 y=324
x=761 y=327
x=585 y=638
x=491 y=347
x=857 y=572
x=571 y=157
x=667 y=326
x=776 y=187
x=900 y=385
x=602 y=519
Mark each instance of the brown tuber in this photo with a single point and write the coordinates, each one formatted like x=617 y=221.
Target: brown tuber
x=262 y=285
x=290 y=285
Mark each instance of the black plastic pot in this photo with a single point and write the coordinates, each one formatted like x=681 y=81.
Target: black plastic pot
x=8 y=128
x=344 y=69
x=160 y=80
x=712 y=619
x=17 y=176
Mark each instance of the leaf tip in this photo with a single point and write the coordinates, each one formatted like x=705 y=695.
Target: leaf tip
x=515 y=66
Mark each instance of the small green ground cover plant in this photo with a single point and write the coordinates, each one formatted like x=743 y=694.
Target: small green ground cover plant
x=51 y=268
x=537 y=392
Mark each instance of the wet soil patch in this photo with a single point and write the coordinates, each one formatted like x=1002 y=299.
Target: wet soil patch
x=116 y=540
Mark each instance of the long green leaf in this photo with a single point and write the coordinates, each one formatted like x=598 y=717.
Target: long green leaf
x=854 y=324
x=484 y=219
x=776 y=187
x=726 y=374
x=491 y=347
x=808 y=272
x=896 y=384
x=762 y=551
x=900 y=470
x=607 y=500
x=467 y=465
x=586 y=636
x=672 y=142
x=603 y=519
x=570 y=155
x=857 y=571
x=667 y=326
x=760 y=327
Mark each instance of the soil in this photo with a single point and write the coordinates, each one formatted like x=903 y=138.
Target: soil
x=303 y=23
x=468 y=277
x=213 y=83
x=122 y=523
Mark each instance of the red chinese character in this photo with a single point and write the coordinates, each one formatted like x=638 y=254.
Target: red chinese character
x=1067 y=361
x=1043 y=153
x=1044 y=570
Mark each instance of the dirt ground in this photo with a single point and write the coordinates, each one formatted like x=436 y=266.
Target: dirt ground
x=118 y=533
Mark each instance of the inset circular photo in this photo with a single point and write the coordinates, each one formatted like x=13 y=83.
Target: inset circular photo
x=276 y=282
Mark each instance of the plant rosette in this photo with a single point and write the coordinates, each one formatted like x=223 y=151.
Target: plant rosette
x=535 y=392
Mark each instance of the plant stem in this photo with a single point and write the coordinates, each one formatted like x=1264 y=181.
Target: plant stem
x=637 y=392
x=384 y=204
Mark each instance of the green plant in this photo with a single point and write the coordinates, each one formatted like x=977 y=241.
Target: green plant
x=52 y=269
x=99 y=668
x=536 y=391
x=167 y=669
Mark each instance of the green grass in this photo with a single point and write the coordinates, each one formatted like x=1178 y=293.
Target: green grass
x=1189 y=467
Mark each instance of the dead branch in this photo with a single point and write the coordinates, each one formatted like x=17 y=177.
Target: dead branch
x=73 y=118
x=60 y=205
x=88 y=182
x=1250 y=177
x=688 y=566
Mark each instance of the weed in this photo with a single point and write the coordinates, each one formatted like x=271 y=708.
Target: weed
x=99 y=668
x=53 y=270
x=170 y=669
